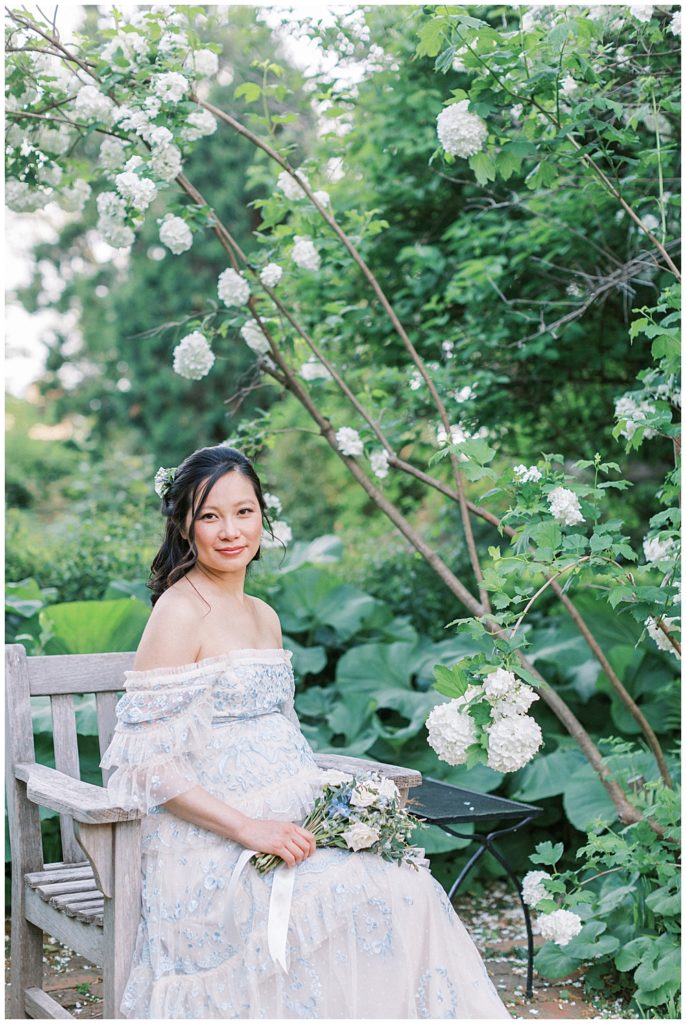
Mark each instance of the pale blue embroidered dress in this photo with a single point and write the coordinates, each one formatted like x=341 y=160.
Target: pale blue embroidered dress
x=366 y=938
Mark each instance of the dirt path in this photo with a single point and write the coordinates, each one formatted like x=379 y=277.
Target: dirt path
x=494 y=920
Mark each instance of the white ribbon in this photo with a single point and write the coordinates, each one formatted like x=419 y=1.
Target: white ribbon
x=279 y=908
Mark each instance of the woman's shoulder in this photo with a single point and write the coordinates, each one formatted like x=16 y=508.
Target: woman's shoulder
x=170 y=637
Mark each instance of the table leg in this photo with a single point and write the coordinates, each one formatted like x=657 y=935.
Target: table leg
x=486 y=843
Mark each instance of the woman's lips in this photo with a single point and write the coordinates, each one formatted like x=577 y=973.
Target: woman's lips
x=230 y=551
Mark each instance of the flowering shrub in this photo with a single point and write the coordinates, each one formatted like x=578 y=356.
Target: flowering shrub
x=619 y=911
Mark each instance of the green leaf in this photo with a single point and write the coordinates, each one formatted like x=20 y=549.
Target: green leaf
x=250 y=90
x=430 y=37
x=546 y=853
x=451 y=682
x=483 y=165
x=89 y=627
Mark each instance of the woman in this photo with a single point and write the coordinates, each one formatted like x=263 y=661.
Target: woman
x=208 y=744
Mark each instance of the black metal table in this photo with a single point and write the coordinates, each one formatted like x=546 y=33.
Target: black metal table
x=442 y=804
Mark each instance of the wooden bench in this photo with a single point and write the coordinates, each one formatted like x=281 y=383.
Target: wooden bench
x=89 y=900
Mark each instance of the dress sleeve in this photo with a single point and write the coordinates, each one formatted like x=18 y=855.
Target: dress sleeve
x=163 y=721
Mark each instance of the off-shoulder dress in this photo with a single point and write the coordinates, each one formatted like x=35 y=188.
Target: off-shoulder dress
x=366 y=938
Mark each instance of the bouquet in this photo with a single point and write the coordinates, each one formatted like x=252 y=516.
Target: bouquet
x=360 y=812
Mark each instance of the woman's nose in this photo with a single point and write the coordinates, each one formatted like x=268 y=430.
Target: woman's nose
x=229 y=528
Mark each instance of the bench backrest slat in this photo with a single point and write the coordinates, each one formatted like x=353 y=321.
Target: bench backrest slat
x=66 y=749
x=78 y=673
x=106 y=705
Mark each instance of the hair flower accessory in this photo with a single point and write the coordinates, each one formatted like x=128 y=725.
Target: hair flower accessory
x=163 y=480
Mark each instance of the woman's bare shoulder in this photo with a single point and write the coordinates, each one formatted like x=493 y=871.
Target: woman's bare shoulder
x=171 y=636
x=268 y=618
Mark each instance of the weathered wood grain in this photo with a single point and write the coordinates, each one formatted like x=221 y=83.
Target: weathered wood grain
x=41 y=1006
x=78 y=673
x=26 y=970
x=84 y=802
x=86 y=939
x=403 y=777
x=66 y=749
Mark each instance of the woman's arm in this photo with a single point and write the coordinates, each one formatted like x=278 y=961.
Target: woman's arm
x=283 y=838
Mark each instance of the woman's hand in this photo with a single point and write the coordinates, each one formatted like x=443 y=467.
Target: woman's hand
x=287 y=840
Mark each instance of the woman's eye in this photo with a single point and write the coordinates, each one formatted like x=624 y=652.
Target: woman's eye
x=246 y=510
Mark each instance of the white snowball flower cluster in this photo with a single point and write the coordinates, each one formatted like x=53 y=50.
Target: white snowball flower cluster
x=55 y=140
x=516 y=702
x=282 y=535
x=655 y=549
x=166 y=162
x=290 y=187
x=459 y=132
x=203 y=62
x=313 y=369
x=193 y=357
x=232 y=288
x=271 y=275
x=499 y=683
x=254 y=337
x=564 y=506
x=273 y=503
x=641 y=12
x=139 y=192
x=533 y=890
x=675 y=23
x=198 y=123
x=379 y=463
x=512 y=742
x=49 y=174
x=561 y=926
x=175 y=234
x=111 y=220
x=22 y=198
x=305 y=254
x=525 y=475
x=322 y=197
x=112 y=153
x=74 y=198
x=635 y=414
x=349 y=441
x=660 y=638
x=170 y=86
x=451 y=732
x=92 y=105
x=131 y=44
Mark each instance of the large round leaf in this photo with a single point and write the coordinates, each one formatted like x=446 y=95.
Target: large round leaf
x=547 y=775
x=586 y=800
x=92 y=627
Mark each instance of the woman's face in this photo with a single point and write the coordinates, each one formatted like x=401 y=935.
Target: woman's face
x=228 y=529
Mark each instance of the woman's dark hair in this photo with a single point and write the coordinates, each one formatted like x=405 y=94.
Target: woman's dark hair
x=178 y=555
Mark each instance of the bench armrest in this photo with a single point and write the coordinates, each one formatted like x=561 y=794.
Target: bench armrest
x=84 y=802
x=404 y=778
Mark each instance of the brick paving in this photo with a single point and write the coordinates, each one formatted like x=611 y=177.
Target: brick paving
x=494 y=919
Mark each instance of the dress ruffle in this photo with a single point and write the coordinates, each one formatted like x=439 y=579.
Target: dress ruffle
x=159 y=734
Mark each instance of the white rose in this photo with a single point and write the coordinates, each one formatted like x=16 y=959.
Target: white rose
x=360 y=836
x=363 y=796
